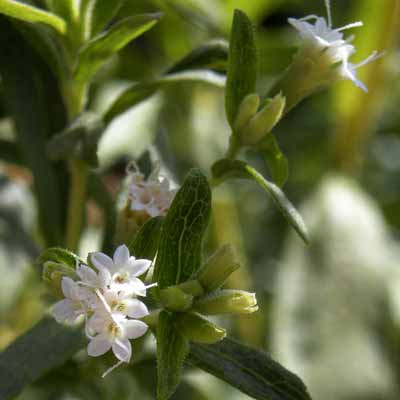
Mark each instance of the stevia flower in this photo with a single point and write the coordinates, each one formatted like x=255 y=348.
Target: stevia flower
x=122 y=270
x=153 y=196
x=75 y=304
x=323 y=58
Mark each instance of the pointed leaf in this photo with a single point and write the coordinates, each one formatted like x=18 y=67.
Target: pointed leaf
x=242 y=64
x=179 y=251
x=58 y=255
x=141 y=91
x=210 y=55
x=172 y=348
x=236 y=169
x=44 y=347
x=145 y=243
x=98 y=50
x=25 y=12
x=251 y=371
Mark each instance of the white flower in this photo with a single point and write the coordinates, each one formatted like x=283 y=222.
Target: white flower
x=75 y=304
x=122 y=271
x=153 y=196
x=316 y=32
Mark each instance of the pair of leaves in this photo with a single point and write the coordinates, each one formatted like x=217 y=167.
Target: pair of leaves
x=236 y=169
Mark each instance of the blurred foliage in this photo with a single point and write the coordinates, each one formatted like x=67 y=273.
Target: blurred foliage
x=341 y=129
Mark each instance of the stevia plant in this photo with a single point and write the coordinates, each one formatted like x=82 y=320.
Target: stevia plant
x=150 y=274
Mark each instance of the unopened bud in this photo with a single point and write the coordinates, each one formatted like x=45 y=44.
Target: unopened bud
x=198 y=329
x=175 y=299
x=53 y=273
x=218 y=267
x=192 y=287
x=263 y=122
x=227 y=301
x=247 y=108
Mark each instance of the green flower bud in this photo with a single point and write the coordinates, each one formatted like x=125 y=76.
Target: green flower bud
x=53 y=273
x=247 y=108
x=198 y=329
x=263 y=122
x=217 y=268
x=174 y=299
x=227 y=301
x=192 y=287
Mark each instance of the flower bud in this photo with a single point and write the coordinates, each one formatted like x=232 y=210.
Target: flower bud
x=53 y=273
x=198 y=329
x=192 y=287
x=227 y=301
x=174 y=299
x=217 y=268
x=247 y=108
x=263 y=122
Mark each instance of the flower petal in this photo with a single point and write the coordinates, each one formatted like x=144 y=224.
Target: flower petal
x=134 y=328
x=87 y=275
x=122 y=349
x=135 y=308
x=138 y=267
x=121 y=256
x=137 y=287
x=101 y=261
x=98 y=346
x=69 y=288
x=64 y=311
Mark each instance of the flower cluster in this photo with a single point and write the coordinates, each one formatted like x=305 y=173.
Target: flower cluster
x=318 y=34
x=152 y=196
x=108 y=299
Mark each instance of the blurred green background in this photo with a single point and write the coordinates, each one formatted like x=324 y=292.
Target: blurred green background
x=330 y=311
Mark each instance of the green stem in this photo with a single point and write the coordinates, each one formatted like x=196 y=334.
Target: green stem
x=234 y=147
x=79 y=175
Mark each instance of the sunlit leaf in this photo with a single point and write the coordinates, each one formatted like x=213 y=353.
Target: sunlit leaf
x=28 y=13
x=99 y=49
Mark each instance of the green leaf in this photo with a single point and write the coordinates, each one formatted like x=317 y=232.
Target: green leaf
x=100 y=13
x=10 y=153
x=275 y=159
x=32 y=97
x=141 y=91
x=172 y=348
x=242 y=64
x=98 y=50
x=58 y=255
x=210 y=55
x=25 y=12
x=236 y=169
x=251 y=371
x=42 y=348
x=145 y=242
x=179 y=251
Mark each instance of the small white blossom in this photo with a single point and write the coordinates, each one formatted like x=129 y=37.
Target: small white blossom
x=75 y=304
x=316 y=32
x=152 y=196
x=122 y=270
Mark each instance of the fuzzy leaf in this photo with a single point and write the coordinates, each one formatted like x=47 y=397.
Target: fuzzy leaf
x=210 y=55
x=141 y=91
x=242 y=64
x=98 y=50
x=45 y=346
x=251 y=371
x=236 y=169
x=172 y=349
x=145 y=242
x=25 y=12
x=179 y=251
